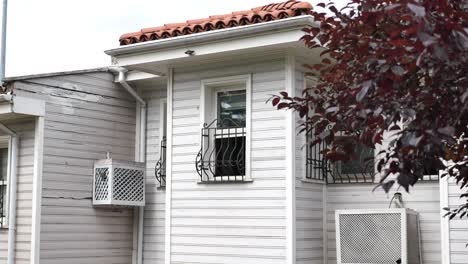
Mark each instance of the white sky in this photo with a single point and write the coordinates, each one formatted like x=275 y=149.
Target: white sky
x=60 y=35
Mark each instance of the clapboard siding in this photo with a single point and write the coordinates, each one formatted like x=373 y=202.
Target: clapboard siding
x=458 y=228
x=87 y=115
x=25 y=130
x=424 y=199
x=309 y=196
x=229 y=223
x=153 y=240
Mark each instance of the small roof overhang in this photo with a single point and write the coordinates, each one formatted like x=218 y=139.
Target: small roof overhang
x=14 y=106
x=155 y=56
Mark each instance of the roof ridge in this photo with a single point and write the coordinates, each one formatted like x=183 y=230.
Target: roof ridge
x=265 y=13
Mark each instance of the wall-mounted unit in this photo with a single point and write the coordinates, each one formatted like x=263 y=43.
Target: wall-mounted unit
x=119 y=183
x=383 y=236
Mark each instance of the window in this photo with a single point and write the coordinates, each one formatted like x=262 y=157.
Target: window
x=4 y=162
x=160 y=169
x=231 y=108
x=230 y=133
x=359 y=169
x=225 y=143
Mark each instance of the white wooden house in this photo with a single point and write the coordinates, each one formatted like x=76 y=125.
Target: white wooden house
x=228 y=179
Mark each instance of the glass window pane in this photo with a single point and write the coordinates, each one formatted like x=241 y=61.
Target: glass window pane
x=231 y=109
x=3 y=163
x=362 y=164
x=230 y=156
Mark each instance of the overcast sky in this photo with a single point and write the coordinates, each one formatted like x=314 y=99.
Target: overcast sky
x=60 y=35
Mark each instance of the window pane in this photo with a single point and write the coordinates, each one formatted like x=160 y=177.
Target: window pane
x=231 y=109
x=230 y=156
x=3 y=163
x=362 y=163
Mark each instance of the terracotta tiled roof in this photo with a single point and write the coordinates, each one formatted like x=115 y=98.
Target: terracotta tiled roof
x=240 y=18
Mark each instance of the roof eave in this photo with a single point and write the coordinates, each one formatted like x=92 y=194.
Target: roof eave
x=215 y=35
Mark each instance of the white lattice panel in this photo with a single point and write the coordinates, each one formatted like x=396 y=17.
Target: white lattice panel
x=376 y=236
x=101 y=184
x=119 y=183
x=128 y=184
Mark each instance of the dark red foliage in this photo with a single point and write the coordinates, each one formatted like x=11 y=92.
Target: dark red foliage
x=395 y=70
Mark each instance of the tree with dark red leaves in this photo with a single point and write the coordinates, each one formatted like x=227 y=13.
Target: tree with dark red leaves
x=393 y=70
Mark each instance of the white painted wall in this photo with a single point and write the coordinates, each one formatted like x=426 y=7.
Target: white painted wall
x=87 y=115
x=154 y=234
x=229 y=223
x=458 y=233
x=25 y=130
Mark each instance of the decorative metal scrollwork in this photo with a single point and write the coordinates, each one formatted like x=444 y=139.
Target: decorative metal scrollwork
x=222 y=154
x=160 y=169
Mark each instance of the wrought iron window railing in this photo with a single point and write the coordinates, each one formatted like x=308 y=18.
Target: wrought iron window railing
x=359 y=170
x=3 y=209
x=160 y=169
x=222 y=154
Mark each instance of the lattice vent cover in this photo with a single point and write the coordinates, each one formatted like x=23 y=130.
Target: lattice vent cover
x=128 y=184
x=370 y=238
x=101 y=184
x=119 y=183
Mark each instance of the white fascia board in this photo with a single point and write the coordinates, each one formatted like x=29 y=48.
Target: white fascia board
x=230 y=39
x=137 y=75
x=221 y=47
x=21 y=105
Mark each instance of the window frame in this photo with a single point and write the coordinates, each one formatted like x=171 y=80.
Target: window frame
x=208 y=109
x=6 y=141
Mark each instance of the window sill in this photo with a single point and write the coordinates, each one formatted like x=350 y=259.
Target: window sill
x=313 y=181
x=226 y=182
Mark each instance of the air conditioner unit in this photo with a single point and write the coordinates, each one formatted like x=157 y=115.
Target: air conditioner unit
x=383 y=236
x=119 y=183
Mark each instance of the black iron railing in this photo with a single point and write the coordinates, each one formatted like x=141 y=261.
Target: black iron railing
x=3 y=192
x=160 y=169
x=317 y=166
x=358 y=170
x=222 y=154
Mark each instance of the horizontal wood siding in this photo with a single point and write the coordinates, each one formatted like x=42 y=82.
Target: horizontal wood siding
x=229 y=223
x=87 y=115
x=25 y=130
x=424 y=199
x=153 y=240
x=458 y=229
x=309 y=197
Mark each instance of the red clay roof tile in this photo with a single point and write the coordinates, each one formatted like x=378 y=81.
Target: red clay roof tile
x=239 y=18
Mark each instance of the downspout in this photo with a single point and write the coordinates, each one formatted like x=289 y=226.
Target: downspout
x=140 y=157
x=13 y=182
x=3 y=41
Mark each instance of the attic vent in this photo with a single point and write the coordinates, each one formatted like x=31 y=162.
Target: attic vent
x=119 y=183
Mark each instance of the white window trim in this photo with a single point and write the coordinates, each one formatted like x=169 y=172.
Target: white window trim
x=209 y=87
x=6 y=140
